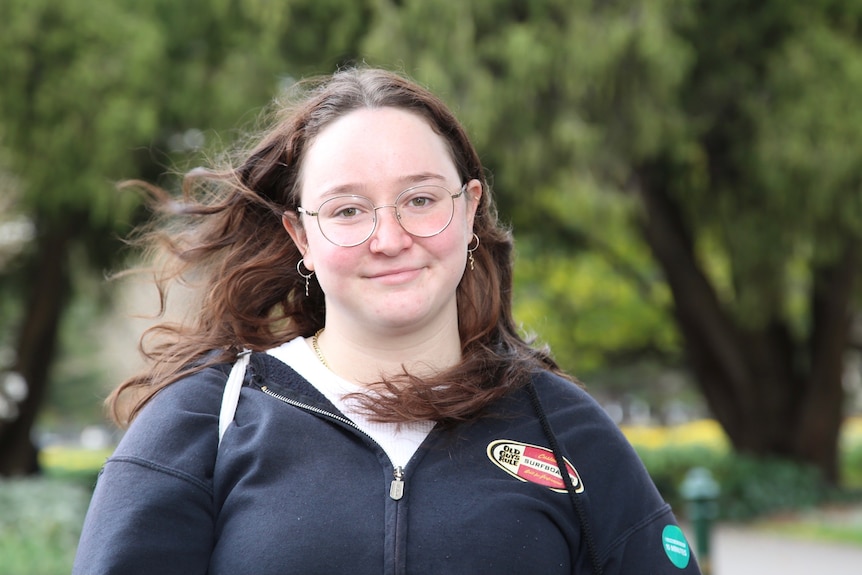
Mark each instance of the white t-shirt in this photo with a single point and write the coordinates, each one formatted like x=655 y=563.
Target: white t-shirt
x=399 y=440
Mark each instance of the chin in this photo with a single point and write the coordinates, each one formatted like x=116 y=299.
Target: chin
x=405 y=320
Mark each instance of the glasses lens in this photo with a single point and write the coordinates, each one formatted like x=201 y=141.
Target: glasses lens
x=346 y=220
x=425 y=210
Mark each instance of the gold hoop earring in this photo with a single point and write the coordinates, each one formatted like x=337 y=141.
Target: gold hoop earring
x=471 y=250
x=301 y=262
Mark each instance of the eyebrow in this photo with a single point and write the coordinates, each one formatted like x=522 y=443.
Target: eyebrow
x=421 y=177
x=407 y=180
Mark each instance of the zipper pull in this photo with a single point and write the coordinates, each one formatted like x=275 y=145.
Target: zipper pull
x=396 y=488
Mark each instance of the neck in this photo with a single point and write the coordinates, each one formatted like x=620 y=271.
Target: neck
x=365 y=357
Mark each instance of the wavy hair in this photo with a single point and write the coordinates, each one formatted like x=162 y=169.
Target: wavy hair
x=226 y=237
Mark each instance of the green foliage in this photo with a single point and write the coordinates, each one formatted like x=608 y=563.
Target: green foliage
x=753 y=487
x=77 y=396
x=587 y=305
x=668 y=467
x=40 y=525
x=810 y=119
x=771 y=100
x=851 y=470
x=78 y=466
x=594 y=292
x=749 y=487
x=74 y=103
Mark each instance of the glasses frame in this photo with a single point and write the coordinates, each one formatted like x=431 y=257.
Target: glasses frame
x=452 y=196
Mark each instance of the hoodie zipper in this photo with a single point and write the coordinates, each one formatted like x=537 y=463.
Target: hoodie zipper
x=396 y=487
x=312 y=409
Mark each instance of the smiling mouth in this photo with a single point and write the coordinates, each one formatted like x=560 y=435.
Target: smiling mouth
x=395 y=276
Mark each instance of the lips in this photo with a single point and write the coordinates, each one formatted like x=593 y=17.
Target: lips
x=397 y=275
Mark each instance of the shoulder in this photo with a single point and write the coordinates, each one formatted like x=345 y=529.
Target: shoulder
x=562 y=397
x=197 y=395
x=578 y=419
x=178 y=428
x=617 y=486
x=553 y=383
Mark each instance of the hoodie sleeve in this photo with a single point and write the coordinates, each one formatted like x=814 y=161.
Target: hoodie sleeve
x=152 y=508
x=657 y=546
x=631 y=526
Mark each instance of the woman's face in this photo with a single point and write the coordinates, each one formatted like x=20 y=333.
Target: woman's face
x=394 y=282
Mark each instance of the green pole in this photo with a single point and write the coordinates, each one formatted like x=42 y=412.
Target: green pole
x=700 y=490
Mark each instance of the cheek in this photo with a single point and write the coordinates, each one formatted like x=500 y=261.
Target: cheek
x=318 y=250
x=452 y=246
x=463 y=233
x=329 y=261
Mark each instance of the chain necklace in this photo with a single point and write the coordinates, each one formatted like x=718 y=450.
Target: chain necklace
x=317 y=349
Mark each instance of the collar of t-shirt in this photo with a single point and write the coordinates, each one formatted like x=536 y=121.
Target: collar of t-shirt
x=399 y=440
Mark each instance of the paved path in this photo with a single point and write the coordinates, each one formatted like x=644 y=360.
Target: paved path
x=746 y=551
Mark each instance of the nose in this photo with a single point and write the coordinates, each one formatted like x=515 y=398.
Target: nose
x=389 y=237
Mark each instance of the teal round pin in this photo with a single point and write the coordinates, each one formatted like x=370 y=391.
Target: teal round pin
x=675 y=546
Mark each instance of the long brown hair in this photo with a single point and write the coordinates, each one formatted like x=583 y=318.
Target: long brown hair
x=225 y=234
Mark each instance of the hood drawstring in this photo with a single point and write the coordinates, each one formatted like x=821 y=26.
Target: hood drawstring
x=581 y=513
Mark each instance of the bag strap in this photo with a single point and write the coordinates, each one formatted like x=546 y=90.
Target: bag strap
x=230 y=397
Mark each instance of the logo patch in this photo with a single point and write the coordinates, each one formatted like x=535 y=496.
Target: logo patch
x=675 y=546
x=532 y=463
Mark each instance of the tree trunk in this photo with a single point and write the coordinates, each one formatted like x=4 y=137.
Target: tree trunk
x=48 y=290
x=821 y=410
x=772 y=396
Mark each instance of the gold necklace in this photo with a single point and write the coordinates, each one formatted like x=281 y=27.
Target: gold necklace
x=317 y=349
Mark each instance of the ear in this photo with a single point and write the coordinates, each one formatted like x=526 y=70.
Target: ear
x=474 y=195
x=292 y=225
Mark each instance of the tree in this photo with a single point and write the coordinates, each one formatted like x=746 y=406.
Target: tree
x=97 y=93
x=730 y=129
x=769 y=173
x=69 y=113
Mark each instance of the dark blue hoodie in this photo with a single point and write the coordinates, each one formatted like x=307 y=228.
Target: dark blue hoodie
x=294 y=487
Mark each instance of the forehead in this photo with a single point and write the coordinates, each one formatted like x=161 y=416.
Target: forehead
x=374 y=150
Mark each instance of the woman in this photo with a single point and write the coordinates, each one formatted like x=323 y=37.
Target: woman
x=389 y=418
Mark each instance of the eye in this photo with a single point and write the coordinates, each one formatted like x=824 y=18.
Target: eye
x=345 y=208
x=419 y=202
x=346 y=212
x=422 y=198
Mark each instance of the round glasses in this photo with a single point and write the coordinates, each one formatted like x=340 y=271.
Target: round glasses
x=422 y=211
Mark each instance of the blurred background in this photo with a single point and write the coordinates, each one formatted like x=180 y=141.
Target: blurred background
x=683 y=178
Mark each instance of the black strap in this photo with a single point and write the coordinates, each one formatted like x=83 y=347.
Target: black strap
x=570 y=488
